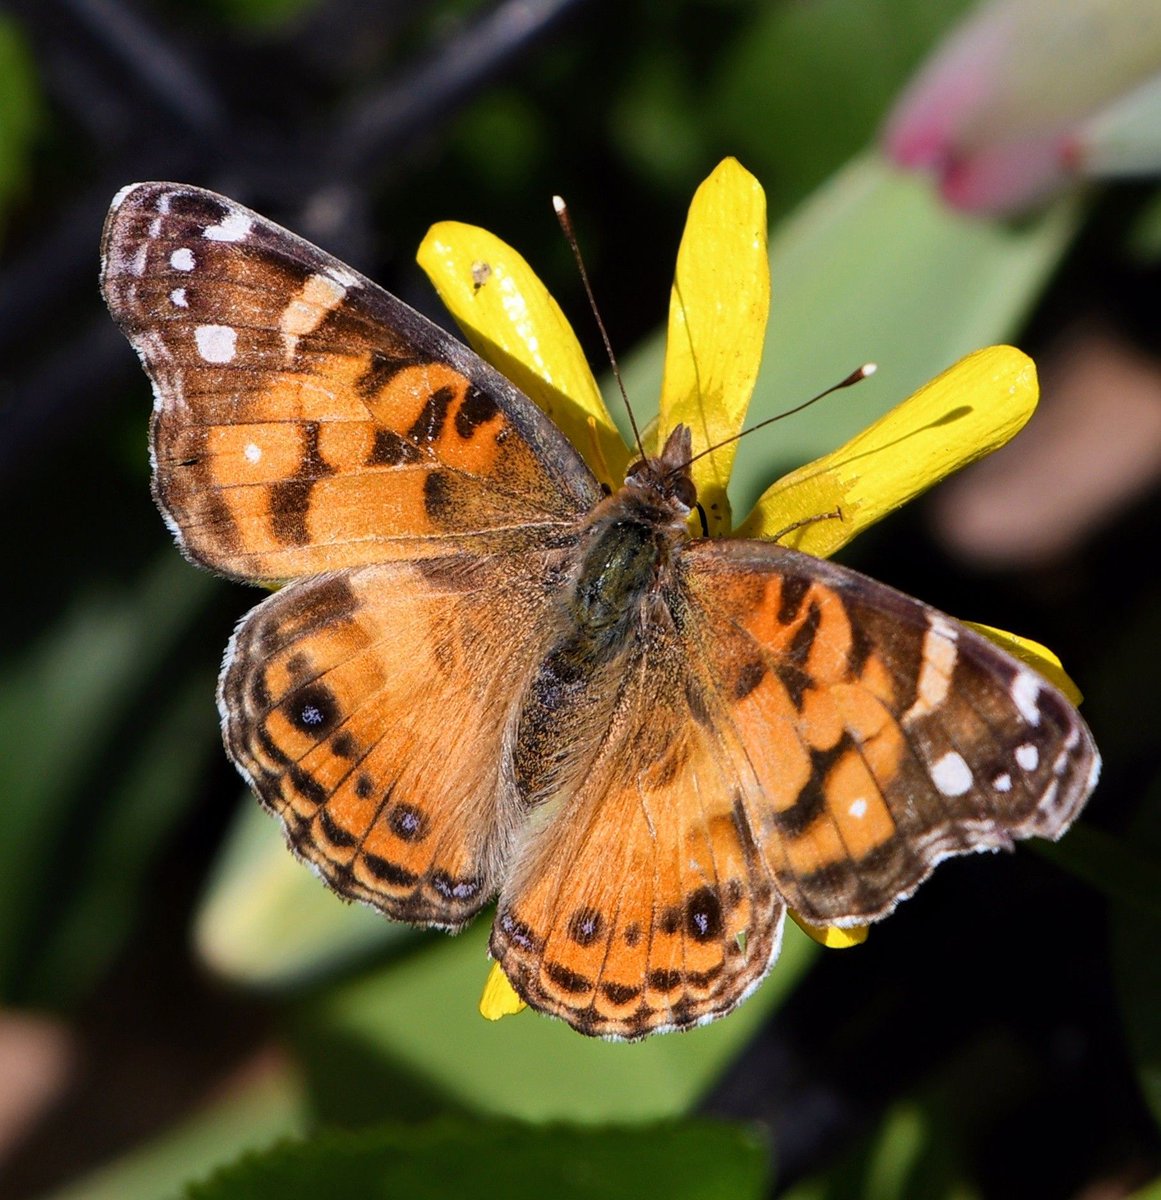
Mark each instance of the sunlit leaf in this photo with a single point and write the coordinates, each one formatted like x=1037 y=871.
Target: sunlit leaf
x=266 y=919
x=689 y=1161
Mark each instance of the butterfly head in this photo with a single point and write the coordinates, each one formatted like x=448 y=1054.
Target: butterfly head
x=664 y=481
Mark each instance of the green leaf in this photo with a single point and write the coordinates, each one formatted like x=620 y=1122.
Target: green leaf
x=806 y=85
x=416 y=1022
x=690 y=1161
x=266 y=920
x=874 y=268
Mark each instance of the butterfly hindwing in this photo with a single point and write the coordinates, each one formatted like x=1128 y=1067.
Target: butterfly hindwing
x=881 y=736
x=305 y=420
x=354 y=704
x=644 y=904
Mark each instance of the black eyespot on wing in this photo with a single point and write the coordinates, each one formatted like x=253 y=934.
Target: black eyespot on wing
x=703 y=915
x=389 y=450
x=407 y=822
x=670 y=921
x=344 y=745
x=585 y=926
x=748 y=678
x=794 y=589
x=437 y=494
x=313 y=709
x=567 y=980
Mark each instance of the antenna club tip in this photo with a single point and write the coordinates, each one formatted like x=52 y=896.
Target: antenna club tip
x=558 y=205
x=868 y=369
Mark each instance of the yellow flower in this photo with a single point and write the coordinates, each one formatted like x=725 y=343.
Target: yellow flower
x=717 y=324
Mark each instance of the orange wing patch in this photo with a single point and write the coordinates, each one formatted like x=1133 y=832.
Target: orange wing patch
x=650 y=908
x=354 y=705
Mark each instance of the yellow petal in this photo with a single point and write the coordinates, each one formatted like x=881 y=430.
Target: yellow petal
x=970 y=410
x=1036 y=656
x=831 y=936
x=717 y=325
x=510 y=319
x=499 y=998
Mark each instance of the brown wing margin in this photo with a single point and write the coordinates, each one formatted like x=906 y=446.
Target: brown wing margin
x=306 y=420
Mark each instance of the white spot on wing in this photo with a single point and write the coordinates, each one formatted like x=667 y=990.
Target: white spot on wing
x=137 y=266
x=1028 y=756
x=939 y=656
x=154 y=227
x=319 y=295
x=1002 y=783
x=1025 y=693
x=233 y=227
x=216 y=343
x=177 y=296
x=163 y=203
x=182 y=260
x=858 y=808
x=951 y=774
x=253 y=452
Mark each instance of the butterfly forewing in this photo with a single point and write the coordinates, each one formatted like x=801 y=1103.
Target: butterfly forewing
x=880 y=735
x=305 y=420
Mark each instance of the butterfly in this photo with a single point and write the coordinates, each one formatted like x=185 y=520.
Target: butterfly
x=486 y=678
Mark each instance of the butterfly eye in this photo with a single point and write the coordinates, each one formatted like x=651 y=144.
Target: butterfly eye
x=685 y=491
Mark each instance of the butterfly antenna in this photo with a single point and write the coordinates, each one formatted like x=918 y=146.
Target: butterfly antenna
x=562 y=216
x=856 y=376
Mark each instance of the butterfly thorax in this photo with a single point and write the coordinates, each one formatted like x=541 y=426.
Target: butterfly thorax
x=628 y=540
x=614 y=599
